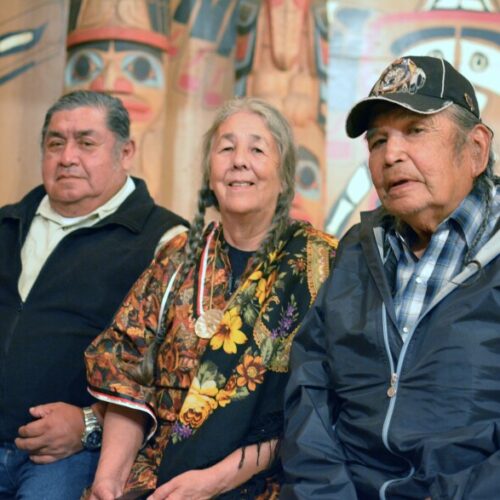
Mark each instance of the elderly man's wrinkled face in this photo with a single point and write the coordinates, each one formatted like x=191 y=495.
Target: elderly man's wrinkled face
x=420 y=171
x=82 y=165
x=244 y=173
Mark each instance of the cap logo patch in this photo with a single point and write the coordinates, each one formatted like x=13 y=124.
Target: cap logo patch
x=402 y=75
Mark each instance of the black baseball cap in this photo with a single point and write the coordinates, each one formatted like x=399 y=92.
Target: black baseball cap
x=422 y=84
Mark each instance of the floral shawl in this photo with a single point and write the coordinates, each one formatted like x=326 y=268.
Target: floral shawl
x=211 y=397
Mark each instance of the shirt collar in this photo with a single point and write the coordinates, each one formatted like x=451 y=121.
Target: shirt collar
x=467 y=217
x=46 y=211
x=469 y=214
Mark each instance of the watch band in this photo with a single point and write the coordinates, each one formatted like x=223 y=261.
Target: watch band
x=92 y=432
x=89 y=418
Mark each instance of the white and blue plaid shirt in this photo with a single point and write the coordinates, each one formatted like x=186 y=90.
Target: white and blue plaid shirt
x=417 y=281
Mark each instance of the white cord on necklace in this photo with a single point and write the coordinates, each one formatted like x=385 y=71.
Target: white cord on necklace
x=204 y=265
x=164 y=299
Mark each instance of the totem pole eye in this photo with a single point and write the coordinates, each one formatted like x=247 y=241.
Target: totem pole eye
x=82 y=67
x=479 y=62
x=143 y=68
x=308 y=176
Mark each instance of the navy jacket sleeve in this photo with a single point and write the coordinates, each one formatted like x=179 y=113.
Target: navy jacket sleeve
x=312 y=456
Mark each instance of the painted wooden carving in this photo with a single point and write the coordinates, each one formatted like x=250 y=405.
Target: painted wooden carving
x=119 y=47
x=200 y=79
x=31 y=67
x=282 y=54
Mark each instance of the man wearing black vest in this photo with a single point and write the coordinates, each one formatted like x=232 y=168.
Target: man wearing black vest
x=69 y=252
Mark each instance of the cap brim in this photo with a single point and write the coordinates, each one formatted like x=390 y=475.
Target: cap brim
x=359 y=116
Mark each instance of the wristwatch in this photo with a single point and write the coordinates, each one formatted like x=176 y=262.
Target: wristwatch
x=92 y=434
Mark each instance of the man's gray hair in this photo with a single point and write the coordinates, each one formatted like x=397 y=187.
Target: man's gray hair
x=465 y=122
x=117 y=117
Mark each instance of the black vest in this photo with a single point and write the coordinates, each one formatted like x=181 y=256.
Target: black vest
x=79 y=288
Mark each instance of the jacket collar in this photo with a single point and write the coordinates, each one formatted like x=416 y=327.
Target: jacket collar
x=372 y=243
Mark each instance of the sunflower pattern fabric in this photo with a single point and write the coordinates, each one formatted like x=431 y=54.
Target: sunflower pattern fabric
x=211 y=396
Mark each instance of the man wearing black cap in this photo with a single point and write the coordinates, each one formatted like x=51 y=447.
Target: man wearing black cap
x=395 y=374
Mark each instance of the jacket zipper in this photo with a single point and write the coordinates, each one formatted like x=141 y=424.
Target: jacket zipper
x=391 y=392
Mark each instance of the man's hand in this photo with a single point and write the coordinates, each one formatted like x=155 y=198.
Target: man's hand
x=54 y=435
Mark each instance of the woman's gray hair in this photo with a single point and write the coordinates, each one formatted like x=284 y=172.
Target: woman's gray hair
x=277 y=125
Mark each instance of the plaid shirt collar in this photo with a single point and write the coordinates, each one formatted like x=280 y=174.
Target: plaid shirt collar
x=415 y=282
x=466 y=219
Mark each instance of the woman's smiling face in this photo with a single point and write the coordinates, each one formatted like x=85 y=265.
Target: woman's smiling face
x=244 y=167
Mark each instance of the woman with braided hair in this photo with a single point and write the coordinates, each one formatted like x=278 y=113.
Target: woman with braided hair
x=195 y=362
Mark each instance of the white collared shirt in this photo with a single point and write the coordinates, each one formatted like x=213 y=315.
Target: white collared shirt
x=48 y=228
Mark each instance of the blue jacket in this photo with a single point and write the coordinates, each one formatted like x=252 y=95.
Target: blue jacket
x=73 y=299
x=368 y=417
